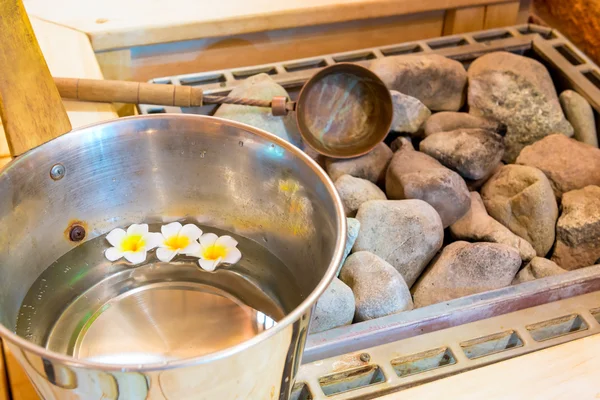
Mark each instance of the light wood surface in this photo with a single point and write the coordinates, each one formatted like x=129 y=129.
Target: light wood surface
x=67 y=53
x=31 y=109
x=3 y=383
x=570 y=371
x=144 y=63
x=499 y=15
x=114 y=24
x=20 y=386
x=463 y=20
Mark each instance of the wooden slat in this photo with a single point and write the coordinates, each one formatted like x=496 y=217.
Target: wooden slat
x=116 y=24
x=463 y=20
x=148 y=62
x=500 y=15
x=20 y=386
x=567 y=371
x=68 y=53
x=3 y=383
x=30 y=106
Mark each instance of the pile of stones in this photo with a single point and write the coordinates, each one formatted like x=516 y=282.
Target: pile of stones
x=488 y=179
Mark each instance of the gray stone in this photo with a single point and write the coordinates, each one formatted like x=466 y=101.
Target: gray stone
x=538 y=268
x=355 y=191
x=478 y=226
x=521 y=199
x=568 y=163
x=371 y=166
x=405 y=233
x=379 y=289
x=437 y=81
x=578 y=229
x=409 y=113
x=517 y=91
x=473 y=153
x=352 y=234
x=464 y=269
x=449 y=121
x=415 y=175
x=261 y=87
x=581 y=116
x=334 y=308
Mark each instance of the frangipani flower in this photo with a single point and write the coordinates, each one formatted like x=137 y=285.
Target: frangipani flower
x=177 y=239
x=132 y=244
x=215 y=250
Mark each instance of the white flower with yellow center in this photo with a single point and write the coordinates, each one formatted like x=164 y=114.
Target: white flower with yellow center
x=178 y=239
x=132 y=244
x=215 y=250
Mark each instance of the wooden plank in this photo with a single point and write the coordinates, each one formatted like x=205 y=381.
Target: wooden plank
x=500 y=15
x=463 y=20
x=68 y=53
x=30 y=106
x=3 y=383
x=525 y=10
x=116 y=24
x=567 y=371
x=259 y=48
x=20 y=386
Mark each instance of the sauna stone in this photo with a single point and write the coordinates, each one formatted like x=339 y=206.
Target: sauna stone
x=578 y=229
x=409 y=113
x=517 y=91
x=446 y=121
x=371 y=166
x=538 y=268
x=478 y=226
x=581 y=116
x=521 y=199
x=335 y=307
x=473 y=153
x=415 y=175
x=437 y=81
x=378 y=288
x=465 y=268
x=568 y=163
x=405 y=233
x=355 y=191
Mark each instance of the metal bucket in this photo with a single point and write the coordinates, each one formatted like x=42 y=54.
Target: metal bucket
x=155 y=169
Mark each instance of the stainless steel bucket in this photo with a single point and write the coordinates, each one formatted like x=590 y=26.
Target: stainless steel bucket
x=150 y=169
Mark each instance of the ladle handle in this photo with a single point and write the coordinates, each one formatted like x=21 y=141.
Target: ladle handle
x=31 y=109
x=151 y=93
x=108 y=91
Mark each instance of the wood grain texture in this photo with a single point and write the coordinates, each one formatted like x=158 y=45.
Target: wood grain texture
x=500 y=15
x=67 y=53
x=3 y=383
x=20 y=386
x=567 y=371
x=116 y=24
x=144 y=63
x=30 y=106
x=463 y=20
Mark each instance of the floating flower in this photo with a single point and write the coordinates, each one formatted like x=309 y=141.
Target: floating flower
x=132 y=244
x=177 y=239
x=215 y=250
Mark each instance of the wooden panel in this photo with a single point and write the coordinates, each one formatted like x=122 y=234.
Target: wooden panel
x=114 y=24
x=20 y=386
x=30 y=106
x=68 y=53
x=258 y=48
x=3 y=383
x=499 y=15
x=463 y=20
x=567 y=371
